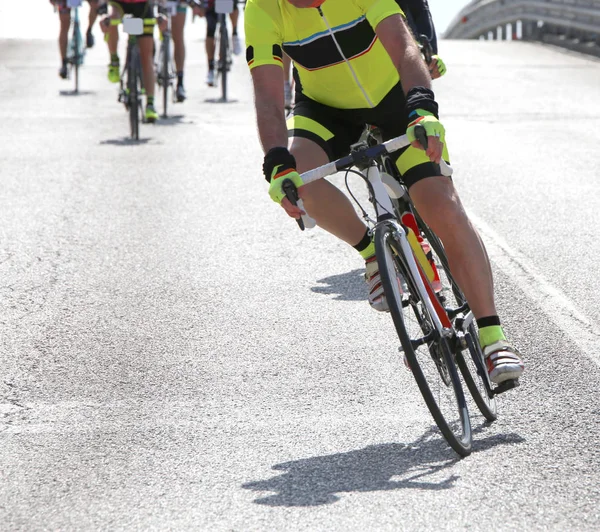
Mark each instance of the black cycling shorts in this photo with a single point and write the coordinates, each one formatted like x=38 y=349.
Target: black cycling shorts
x=335 y=130
x=212 y=19
x=143 y=10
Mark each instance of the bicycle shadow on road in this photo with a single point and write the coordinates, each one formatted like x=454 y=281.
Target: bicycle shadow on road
x=391 y=466
x=220 y=100
x=173 y=120
x=78 y=93
x=349 y=286
x=126 y=141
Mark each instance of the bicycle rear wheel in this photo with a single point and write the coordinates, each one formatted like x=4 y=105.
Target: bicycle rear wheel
x=427 y=352
x=76 y=52
x=469 y=356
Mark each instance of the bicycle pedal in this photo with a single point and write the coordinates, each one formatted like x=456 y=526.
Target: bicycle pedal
x=506 y=385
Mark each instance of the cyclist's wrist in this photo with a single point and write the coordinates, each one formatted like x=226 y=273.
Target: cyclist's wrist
x=421 y=99
x=276 y=160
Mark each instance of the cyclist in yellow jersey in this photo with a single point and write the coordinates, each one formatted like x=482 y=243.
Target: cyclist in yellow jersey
x=143 y=9
x=350 y=56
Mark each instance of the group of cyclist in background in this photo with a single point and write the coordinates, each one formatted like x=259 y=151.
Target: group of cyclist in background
x=417 y=14
x=145 y=9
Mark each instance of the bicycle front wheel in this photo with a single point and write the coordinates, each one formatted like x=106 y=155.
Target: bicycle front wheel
x=165 y=74
x=469 y=357
x=223 y=58
x=76 y=52
x=427 y=352
x=134 y=94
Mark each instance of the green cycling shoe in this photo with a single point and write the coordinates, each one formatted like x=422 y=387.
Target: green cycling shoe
x=113 y=73
x=151 y=114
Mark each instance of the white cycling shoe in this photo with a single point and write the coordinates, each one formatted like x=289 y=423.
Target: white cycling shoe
x=503 y=362
x=210 y=78
x=237 y=45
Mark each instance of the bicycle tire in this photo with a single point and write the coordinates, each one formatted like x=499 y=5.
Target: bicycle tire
x=433 y=366
x=472 y=367
x=134 y=97
x=223 y=50
x=76 y=48
x=166 y=77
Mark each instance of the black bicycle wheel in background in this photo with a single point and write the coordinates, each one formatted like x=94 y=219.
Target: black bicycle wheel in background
x=165 y=57
x=76 y=51
x=223 y=59
x=427 y=352
x=134 y=96
x=470 y=360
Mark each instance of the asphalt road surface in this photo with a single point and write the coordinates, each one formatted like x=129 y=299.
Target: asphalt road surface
x=176 y=355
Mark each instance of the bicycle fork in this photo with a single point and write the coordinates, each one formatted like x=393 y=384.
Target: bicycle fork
x=410 y=249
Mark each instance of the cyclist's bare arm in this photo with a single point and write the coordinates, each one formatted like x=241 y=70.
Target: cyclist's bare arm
x=399 y=44
x=269 y=103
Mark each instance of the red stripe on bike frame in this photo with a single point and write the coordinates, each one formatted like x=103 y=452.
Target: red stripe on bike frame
x=439 y=310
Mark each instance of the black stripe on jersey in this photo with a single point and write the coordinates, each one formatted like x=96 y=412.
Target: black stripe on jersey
x=323 y=52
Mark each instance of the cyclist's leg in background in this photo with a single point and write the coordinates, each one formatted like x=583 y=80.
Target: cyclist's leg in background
x=211 y=27
x=235 y=40
x=146 y=43
x=177 y=29
x=64 y=14
x=316 y=137
x=112 y=31
x=91 y=19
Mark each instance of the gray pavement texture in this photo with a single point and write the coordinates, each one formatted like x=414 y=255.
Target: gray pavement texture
x=175 y=355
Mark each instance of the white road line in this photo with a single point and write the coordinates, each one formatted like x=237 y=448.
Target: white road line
x=560 y=309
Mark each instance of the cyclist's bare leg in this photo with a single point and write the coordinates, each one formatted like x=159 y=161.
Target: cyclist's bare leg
x=210 y=48
x=438 y=203
x=146 y=52
x=234 y=16
x=329 y=206
x=113 y=32
x=63 y=37
x=93 y=14
x=177 y=25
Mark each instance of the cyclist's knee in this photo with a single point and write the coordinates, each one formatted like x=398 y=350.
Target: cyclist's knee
x=438 y=202
x=308 y=154
x=65 y=20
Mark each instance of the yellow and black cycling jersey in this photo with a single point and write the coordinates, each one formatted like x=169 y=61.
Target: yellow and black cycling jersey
x=338 y=57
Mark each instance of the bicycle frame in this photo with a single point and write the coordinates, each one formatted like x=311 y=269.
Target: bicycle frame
x=384 y=210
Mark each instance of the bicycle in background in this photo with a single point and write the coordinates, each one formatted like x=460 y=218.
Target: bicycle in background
x=165 y=68
x=76 y=46
x=223 y=44
x=131 y=82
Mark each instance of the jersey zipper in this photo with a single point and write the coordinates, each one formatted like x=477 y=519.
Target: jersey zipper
x=358 y=83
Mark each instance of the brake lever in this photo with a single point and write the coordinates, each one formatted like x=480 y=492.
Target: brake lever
x=291 y=193
x=421 y=136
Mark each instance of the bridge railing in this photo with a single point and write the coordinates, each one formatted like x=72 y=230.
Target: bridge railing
x=569 y=21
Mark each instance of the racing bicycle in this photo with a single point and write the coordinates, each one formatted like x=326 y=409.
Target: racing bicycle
x=433 y=321
x=223 y=44
x=76 y=46
x=165 y=68
x=131 y=84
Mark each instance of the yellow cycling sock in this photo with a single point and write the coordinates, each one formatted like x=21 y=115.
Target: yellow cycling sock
x=491 y=334
x=365 y=247
x=368 y=252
